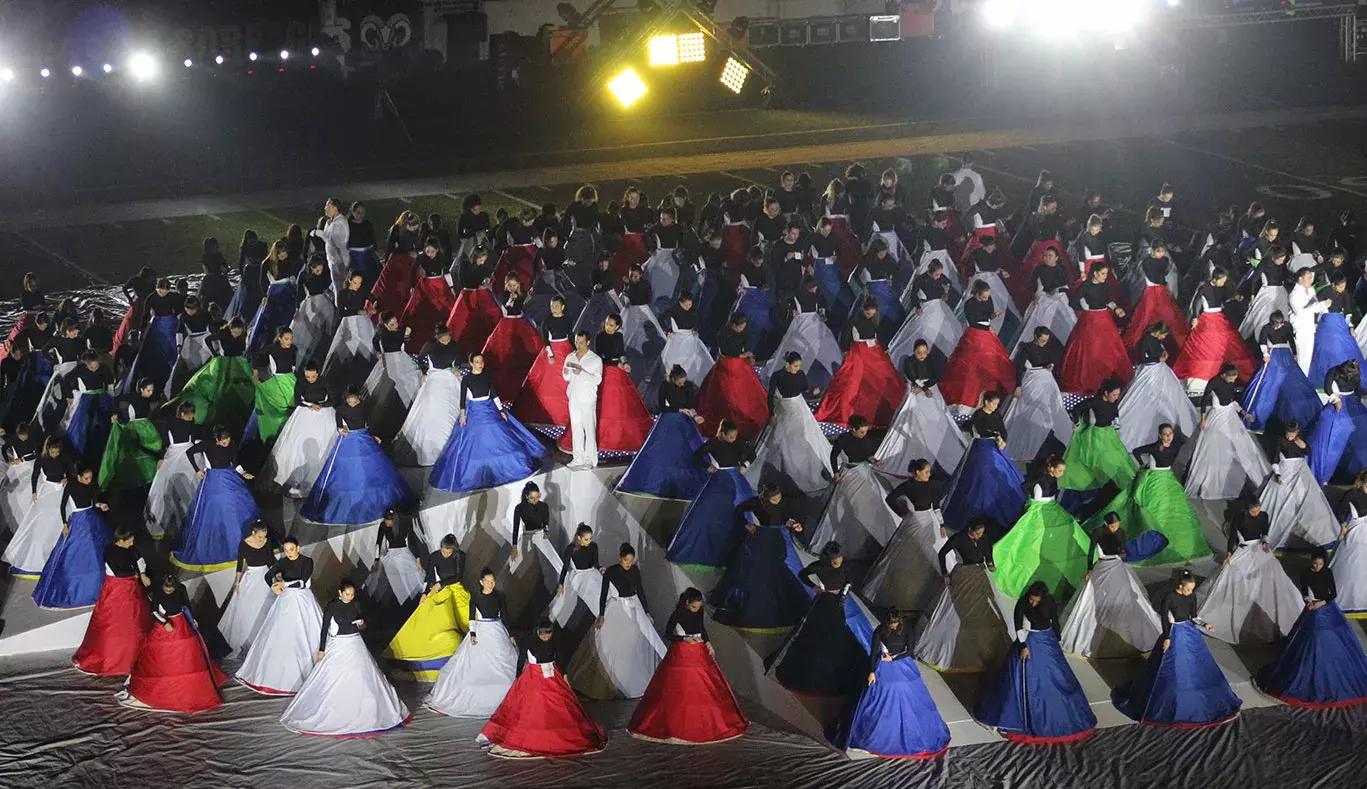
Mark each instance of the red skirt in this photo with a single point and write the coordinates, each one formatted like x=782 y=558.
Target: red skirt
x=866 y=384
x=392 y=289
x=116 y=630
x=1115 y=291
x=1094 y=354
x=541 y=716
x=735 y=249
x=624 y=422
x=1213 y=342
x=631 y=252
x=542 y=400
x=132 y=321
x=431 y=301
x=688 y=700
x=25 y=321
x=1036 y=254
x=519 y=260
x=731 y=390
x=848 y=253
x=173 y=671
x=1156 y=304
x=979 y=364
x=473 y=319
x=975 y=243
x=510 y=351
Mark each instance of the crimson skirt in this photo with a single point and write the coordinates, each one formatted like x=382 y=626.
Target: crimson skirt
x=1036 y=254
x=731 y=390
x=174 y=672
x=866 y=384
x=116 y=630
x=473 y=319
x=133 y=320
x=631 y=252
x=541 y=716
x=1094 y=354
x=1156 y=304
x=735 y=249
x=395 y=285
x=510 y=353
x=624 y=422
x=979 y=364
x=1213 y=342
x=430 y=304
x=542 y=400
x=688 y=700
x=848 y=253
x=519 y=260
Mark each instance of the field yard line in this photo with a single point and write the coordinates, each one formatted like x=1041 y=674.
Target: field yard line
x=1272 y=170
x=516 y=199
x=60 y=258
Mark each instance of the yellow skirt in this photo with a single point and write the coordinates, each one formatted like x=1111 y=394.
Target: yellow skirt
x=430 y=636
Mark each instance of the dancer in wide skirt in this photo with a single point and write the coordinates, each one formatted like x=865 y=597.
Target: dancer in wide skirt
x=1299 y=513
x=275 y=379
x=1156 y=502
x=316 y=319
x=759 y=590
x=173 y=487
x=252 y=593
x=222 y=511
x=1269 y=282
x=393 y=383
x=435 y=629
x=683 y=347
x=474 y=682
x=985 y=482
x=1334 y=341
x=307 y=439
x=130 y=455
x=1226 y=458
x=352 y=353
x=74 y=572
x=488 y=447
x=668 y=465
x=979 y=363
x=427 y=297
x=826 y=652
x=1213 y=342
x=967 y=630
x=1322 y=665
x=907 y=573
x=514 y=344
x=358 y=483
x=1156 y=305
x=1154 y=396
x=866 y=383
x=856 y=515
x=1110 y=616
x=809 y=337
x=579 y=584
x=731 y=389
x=282 y=653
x=1350 y=569
x=1251 y=600
x=436 y=409
x=174 y=671
x=620 y=654
x=1095 y=352
x=703 y=538
x=1036 y=411
x=622 y=421
x=121 y=618
x=396 y=575
x=1036 y=698
x=922 y=426
x=543 y=398
x=929 y=318
x=1045 y=544
x=1096 y=455
x=792 y=450
x=1338 y=442
x=475 y=313
x=1049 y=306
x=1279 y=392
x=41 y=527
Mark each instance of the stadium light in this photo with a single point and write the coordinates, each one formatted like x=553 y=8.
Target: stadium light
x=627 y=87
x=7 y=74
x=108 y=68
x=284 y=54
x=733 y=75
x=44 y=72
x=143 y=66
x=251 y=56
x=1000 y=14
x=189 y=63
x=77 y=71
x=664 y=51
x=218 y=59
x=692 y=48
x=315 y=51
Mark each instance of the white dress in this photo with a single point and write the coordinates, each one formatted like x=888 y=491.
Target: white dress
x=1038 y=412
x=398 y=579
x=685 y=349
x=37 y=534
x=1155 y=397
x=662 y=272
x=172 y=492
x=809 y=336
x=1304 y=309
x=619 y=659
x=1270 y=298
x=474 y=681
x=933 y=322
x=393 y=386
x=345 y=694
x=1349 y=564
x=907 y=572
x=1053 y=312
x=1251 y=600
x=1297 y=510
x=792 y=447
x=967 y=631
x=314 y=324
x=1001 y=299
x=857 y=516
x=1226 y=457
x=16 y=494
x=246 y=612
x=1110 y=616
x=353 y=347
x=301 y=450
x=429 y=423
x=282 y=654
x=922 y=429
x=581 y=587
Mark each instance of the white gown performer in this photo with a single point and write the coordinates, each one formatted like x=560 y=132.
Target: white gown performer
x=1299 y=513
x=907 y=574
x=1252 y=600
x=18 y=455
x=809 y=337
x=857 y=515
x=1036 y=408
x=580 y=579
x=1049 y=307
x=436 y=409
x=1226 y=457
x=792 y=446
x=1306 y=306
x=1271 y=295
x=345 y=695
x=474 y=681
x=1349 y=562
x=1155 y=397
x=316 y=319
x=173 y=488
x=683 y=347
x=41 y=528
x=584 y=372
x=252 y=596
x=621 y=653
x=282 y=654
x=662 y=268
x=984 y=270
x=193 y=350
x=395 y=576
x=352 y=350
x=302 y=448
x=1110 y=616
x=967 y=631
x=393 y=383
x=922 y=426
x=929 y=317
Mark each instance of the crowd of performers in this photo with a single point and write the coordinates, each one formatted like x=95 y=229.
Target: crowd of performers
x=717 y=345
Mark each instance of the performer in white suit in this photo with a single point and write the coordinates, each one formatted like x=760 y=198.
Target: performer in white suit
x=1305 y=307
x=336 y=233
x=584 y=372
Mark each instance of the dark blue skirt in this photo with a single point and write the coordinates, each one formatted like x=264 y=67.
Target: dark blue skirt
x=895 y=716
x=713 y=310
x=985 y=483
x=596 y=310
x=666 y=468
x=88 y=429
x=281 y=302
x=1322 y=664
x=157 y=356
x=1334 y=345
x=758 y=308
x=822 y=656
x=1180 y=687
x=759 y=590
x=1279 y=393
x=829 y=281
x=21 y=401
x=366 y=261
x=357 y=484
x=220 y=516
x=486 y=451
x=74 y=573
x=247 y=298
x=709 y=524
x=1037 y=699
x=1338 y=441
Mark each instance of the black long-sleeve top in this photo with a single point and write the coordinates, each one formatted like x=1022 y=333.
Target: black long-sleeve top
x=1340 y=302
x=853 y=450
x=922 y=372
x=1151 y=349
x=1043 y=487
x=822 y=576
x=1357 y=503
x=159 y=306
x=215 y=456
x=1156 y=269
x=1342 y=380
x=183 y=431
x=580 y=557
x=1043 y=616
x=1288 y=450
x=362 y=235
x=390 y=537
x=513 y=304
x=1209 y=299
x=677 y=398
x=970 y=551
x=352 y=302
x=928 y=288
x=344 y=616
x=1032 y=356
x=64 y=349
x=610 y=347
x=627 y=583
x=134 y=406
x=1111 y=543
x=1096 y=412
x=531 y=518
x=756 y=276
x=277 y=360
x=725 y=454
x=1220 y=392
x=16 y=448
x=484 y=606
x=84 y=379
x=247 y=556
x=445 y=570
x=473 y=274
x=52 y=469
x=225 y=344
x=1318 y=585
x=314 y=284
x=388 y=341
x=785 y=384
x=168 y=604
x=1093 y=296
x=1247 y=528
x=863 y=327
x=295 y=573
x=978 y=313
x=1176 y=608
x=680 y=319
x=731 y=343
x=306 y=393
x=987 y=425
x=438 y=355
x=556 y=327
x=99 y=339
x=1156 y=455
x=1270 y=336
x=123 y=562
x=684 y=623
x=637 y=293
x=534 y=650
x=476 y=386
x=895 y=643
x=352 y=417
x=921 y=496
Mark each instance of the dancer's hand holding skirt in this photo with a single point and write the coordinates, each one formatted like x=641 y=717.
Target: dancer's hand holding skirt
x=432 y=633
x=688 y=701
x=1037 y=699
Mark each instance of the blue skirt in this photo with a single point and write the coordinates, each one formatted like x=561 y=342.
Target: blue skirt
x=985 y=483
x=712 y=309
x=758 y=308
x=1338 y=442
x=1180 y=687
x=665 y=468
x=889 y=308
x=21 y=401
x=829 y=282
x=822 y=657
x=759 y=590
x=220 y=515
x=486 y=451
x=1037 y=699
x=1322 y=664
x=1334 y=345
x=365 y=261
x=357 y=484
x=1279 y=393
x=895 y=716
x=709 y=525
x=281 y=302
x=157 y=356
x=88 y=430
x=74 y=573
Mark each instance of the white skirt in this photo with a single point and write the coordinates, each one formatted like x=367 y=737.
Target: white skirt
x=1297 y=509
x=581 y=586
x=53 y=396
x=353 y=344
x=907 y=573
x=1359 y=334
x=474 y=681
x=1251 y=600
x=345 y=695
x=1270 y=299
x=247 y=609
x=1226 y=458
x=397 y=579
x=37 y=534
x=935 y=323
x=644 y=340
x=662 y=272
x=857 y=515
x=314 y=324
x=1001 y=299
x=172 y=492
x=1053 y=312
x=1349 y=564
x=967 y=631
x=793 y=447
x=923 y=265
x=430 y=421
x=1038 y=412
x=301 y=450
x=922 y=429
x=282 y=654
x=811 y=338
x=16 y=494
x=683 y=348
x=194 y=354
x=618 y=659
x=1110 y=616
x=393 y=386
x=1155 y=397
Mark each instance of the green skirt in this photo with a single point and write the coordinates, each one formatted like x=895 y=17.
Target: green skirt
x=130 y=457
x=1094 y=457
x=1157 y=502
x=1046 y=544
x=274 y=401
x=221 y=391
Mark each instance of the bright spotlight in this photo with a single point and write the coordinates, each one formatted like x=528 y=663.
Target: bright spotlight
x=44 y=73
x=218 y=59
x=143 y=66
x=7 y=74
x=733 y=75
x=189 y=63
x=77 y=71
x=1000 y=14
x=692 y=48
x=664 y=51
x=284 y=54
x=315 y=51
x=108 y=67
x=251 y=56
x=627 y=87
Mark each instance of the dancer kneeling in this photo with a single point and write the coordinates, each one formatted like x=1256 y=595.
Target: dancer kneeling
x=1110 y=617
x=173 y=672
x=824 y=655
x=121 y=618
x=1251 y=600
x=434 y=630
x=474 y=682
x=281 y=656
x=967 y=631
x=620 y=655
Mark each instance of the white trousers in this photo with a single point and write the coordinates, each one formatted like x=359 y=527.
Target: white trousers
x=584 y=432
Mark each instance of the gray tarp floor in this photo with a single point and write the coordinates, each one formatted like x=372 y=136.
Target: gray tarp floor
x=59 y=728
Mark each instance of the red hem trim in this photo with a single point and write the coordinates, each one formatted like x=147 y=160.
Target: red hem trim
x=265 y=691
x=1317 y=705
x=1027 y=739
x=1157 y=725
